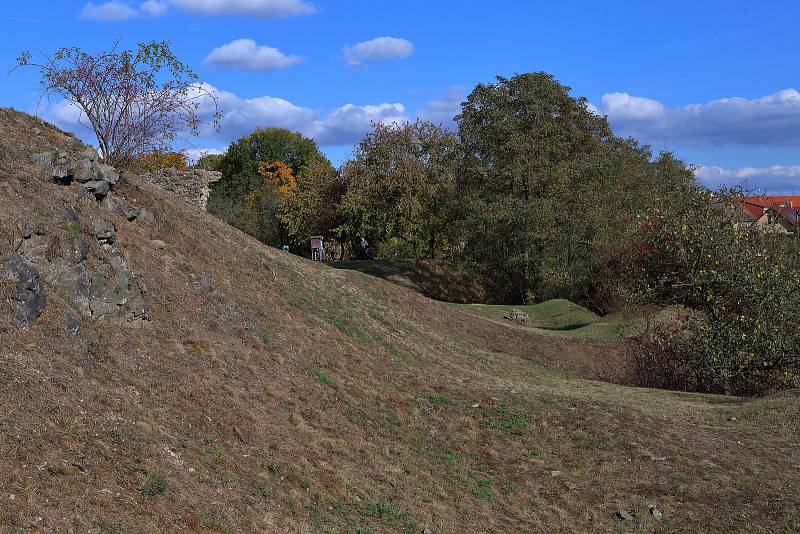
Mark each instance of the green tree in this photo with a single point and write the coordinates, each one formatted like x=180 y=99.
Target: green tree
x=315 y=206
x=401 y=188
x=209 y=162
x=241 y=177
x=548 y=189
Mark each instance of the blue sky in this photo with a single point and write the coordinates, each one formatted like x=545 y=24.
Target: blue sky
x=715 y=82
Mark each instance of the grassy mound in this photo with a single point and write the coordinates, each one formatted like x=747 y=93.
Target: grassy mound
x=562 y=317
x=437 y=279
x=271 y=394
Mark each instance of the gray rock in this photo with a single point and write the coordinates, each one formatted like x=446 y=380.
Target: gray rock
x=518 y=316
x=104 y=231
x=130 y=211
x=71 y=215
x=109 y=203
x=95 y=188
x=27 y=293
x=75 y=249
x=72 y=281
x=63 y=173
x=108 y=173
x=43 y=160
x=147 y=217
x=206 y=285
x=624 y=515
x=88 y=368
x=72 y=323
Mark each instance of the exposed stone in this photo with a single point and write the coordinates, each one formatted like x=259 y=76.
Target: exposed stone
x=95 y=188
x=108 y=174
x=104 y=231
x=190 y=184
x=130 y=211
x=116 y=293
x=72 y=323
x=147 y=217
x=71 y=215
x=63 y=173
x=43 y=160
x=624 y=515
x=158 y=244
x=206 y=285
x=27 y=293
x=518 y=316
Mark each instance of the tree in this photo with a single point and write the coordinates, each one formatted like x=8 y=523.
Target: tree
x=315 y=206
x=549 y=189
x=135 y=101
x=241 y=179
x=209 y=162
x=741 y=287
x=401 y=187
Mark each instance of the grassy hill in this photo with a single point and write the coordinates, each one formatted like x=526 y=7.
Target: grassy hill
x=437 y=279
x=565 y=318
x=261 y=392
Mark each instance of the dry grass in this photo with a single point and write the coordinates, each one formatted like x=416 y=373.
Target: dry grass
x=221 y=415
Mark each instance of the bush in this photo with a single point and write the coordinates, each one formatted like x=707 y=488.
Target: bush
x=742 y=288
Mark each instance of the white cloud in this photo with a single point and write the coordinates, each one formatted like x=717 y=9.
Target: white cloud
x=153 y=8
x=245 y=54
x=115 y=10
x=342 y=126
x=772 y=120
x=444 y=110
x=109 y=11
x=349 y=123
x=267 y=9
x=193 y=154
x=378 y=49
x=775 y=179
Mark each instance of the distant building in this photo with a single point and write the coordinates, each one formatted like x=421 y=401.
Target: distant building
x=778 y=214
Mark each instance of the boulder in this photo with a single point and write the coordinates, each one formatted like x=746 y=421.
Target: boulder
x=95 y=188
x=104 y=231
x=71 y=323
x=517 y=316
x=27 y=293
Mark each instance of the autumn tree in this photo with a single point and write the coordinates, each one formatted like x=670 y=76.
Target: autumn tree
x=315 y=205
x=244 y=197
x=135 y=101
x=400 y=189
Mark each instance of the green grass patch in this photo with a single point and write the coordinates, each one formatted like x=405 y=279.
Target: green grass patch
x=155 y=483
x=503 y=419
x=439 y=400
x=562 y=317
x=320 y=375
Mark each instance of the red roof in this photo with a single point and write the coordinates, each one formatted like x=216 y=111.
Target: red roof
x=786 y=206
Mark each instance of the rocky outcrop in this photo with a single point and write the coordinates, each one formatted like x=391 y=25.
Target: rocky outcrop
x=192 y=184
x=110 y=290
x=27 y=294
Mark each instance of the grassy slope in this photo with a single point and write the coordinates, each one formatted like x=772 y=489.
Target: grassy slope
x=564 y=318
x=298 y=398
x=437 y=279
